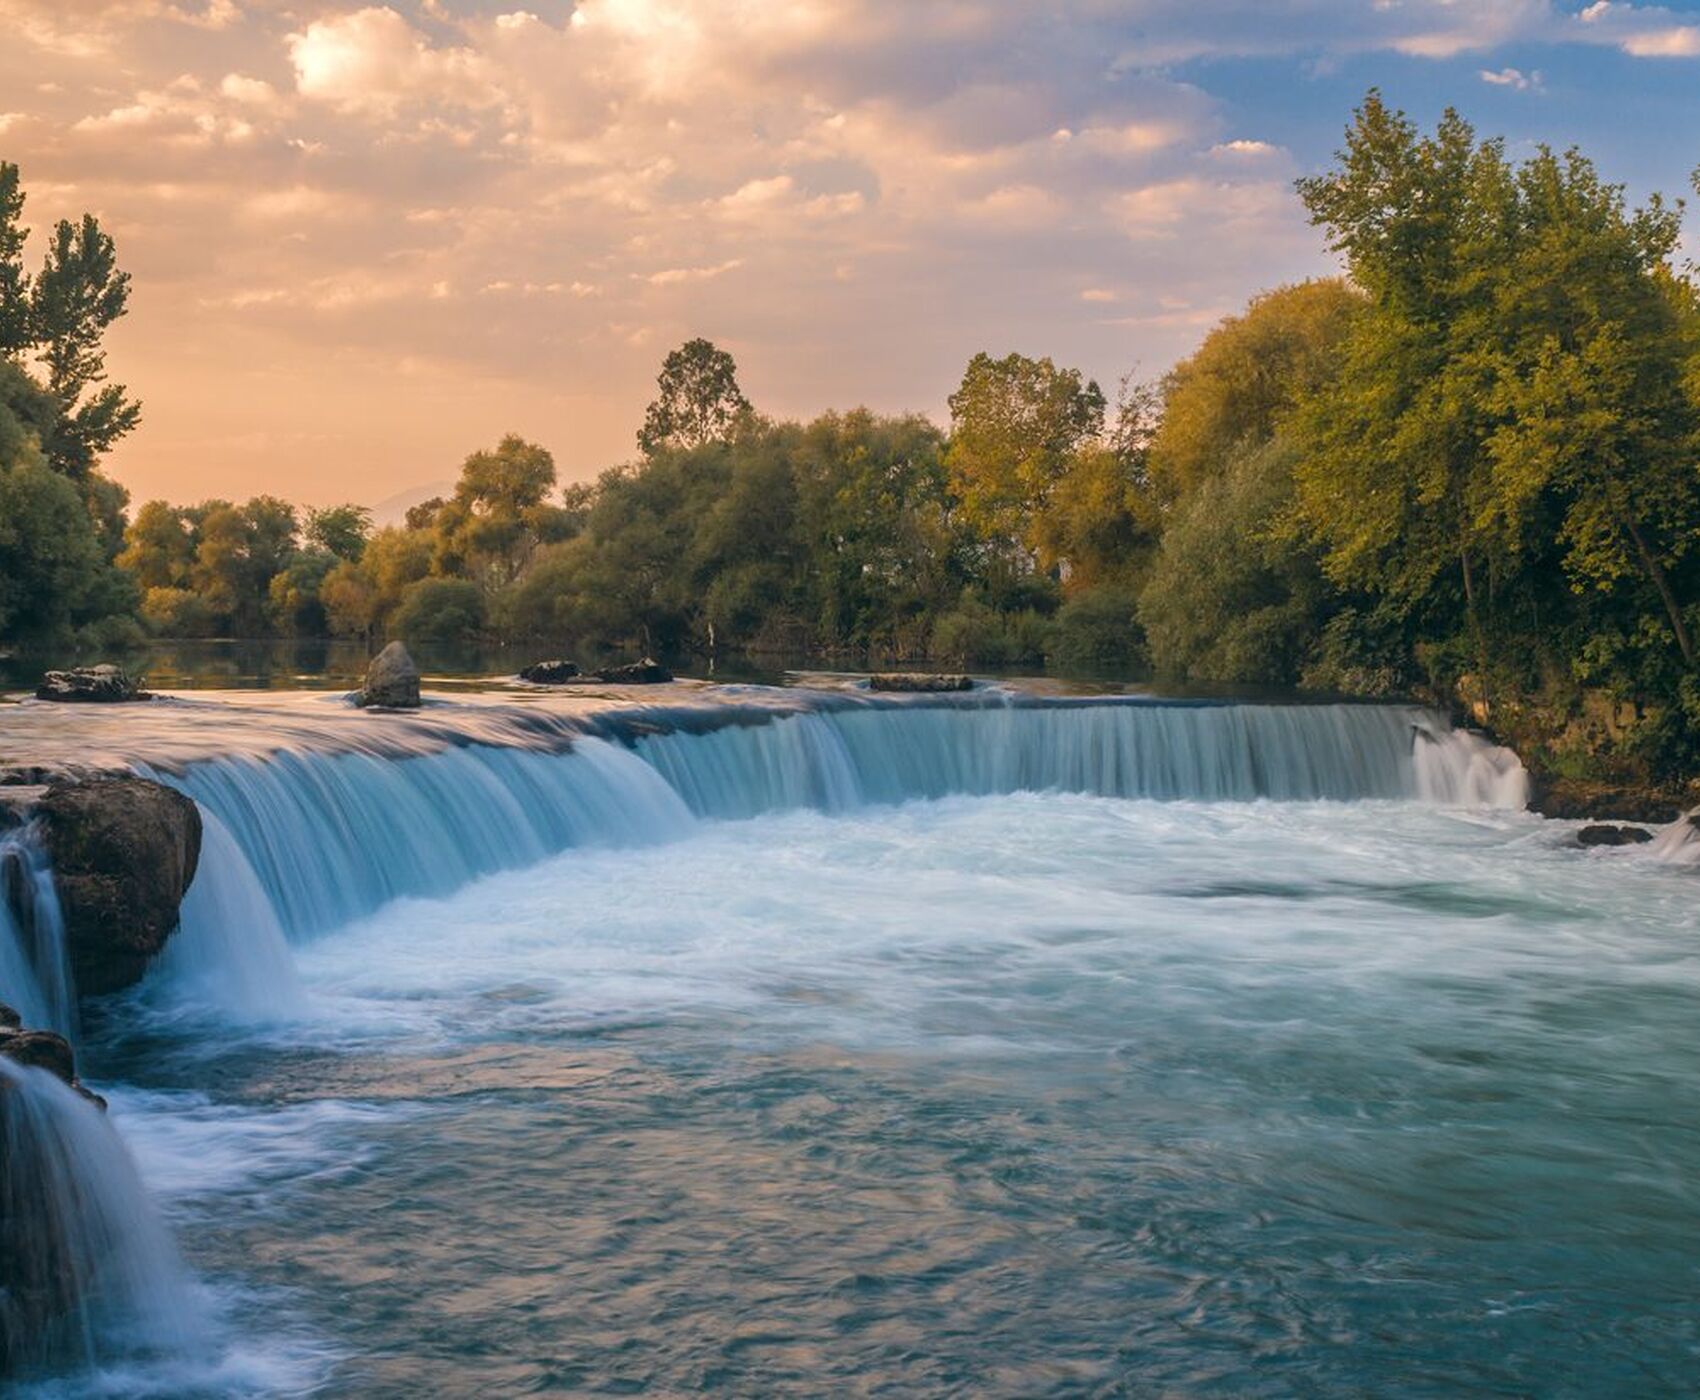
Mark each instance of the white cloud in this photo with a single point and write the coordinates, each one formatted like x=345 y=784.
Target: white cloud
x=1513 y=78
x=373 y=62
x=673 y=276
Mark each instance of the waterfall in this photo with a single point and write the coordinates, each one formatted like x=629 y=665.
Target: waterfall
x=229 y=950
x=1456 y=768
x=329 y=837
x=88 y=1272
x=35 y=973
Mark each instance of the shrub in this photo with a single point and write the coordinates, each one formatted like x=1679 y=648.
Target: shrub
x=440 y=610
x=1097 y=629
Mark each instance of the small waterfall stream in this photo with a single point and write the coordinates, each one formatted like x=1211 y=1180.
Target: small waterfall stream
x=35 y=974
x=88 y=1271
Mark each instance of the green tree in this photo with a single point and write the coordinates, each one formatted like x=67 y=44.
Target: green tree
x=340 y=531
x=158 y=547
x=699 y=400
x=1016 y=425
x=490 y=526
x=1511 y=407
x=76 y=296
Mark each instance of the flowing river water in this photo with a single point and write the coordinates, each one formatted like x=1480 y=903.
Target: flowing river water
x=944 y=1050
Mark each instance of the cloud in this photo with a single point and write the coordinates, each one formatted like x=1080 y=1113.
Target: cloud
x=514 y=207
x=1512 y=78
x=373 y=62
x=673 y=276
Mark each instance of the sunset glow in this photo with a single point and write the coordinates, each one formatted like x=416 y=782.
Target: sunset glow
x=368 y=240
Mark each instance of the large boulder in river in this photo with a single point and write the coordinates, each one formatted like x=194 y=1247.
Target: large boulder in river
x=550 y=672
x=392 y=680
x=1604 y=834
x=103 y=684
x=918 y=683
x=649 y=671
x=124 y=851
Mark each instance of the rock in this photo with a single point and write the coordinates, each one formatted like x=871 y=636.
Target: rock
x=550 y=672
x=123 y=851
x=46 y=1050
x=920 y=683
x=392 y=680
x=1574 y=799
x=649 y=671
x=1613 y=836
x=103 y=684
x=9 y=1019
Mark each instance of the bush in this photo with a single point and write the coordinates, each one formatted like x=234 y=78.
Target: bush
x=974 y=631
x=440 y=610
x=1097 y=629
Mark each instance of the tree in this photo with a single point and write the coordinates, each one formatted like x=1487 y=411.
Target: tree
x=1232 y=393
x=1016 y=424
x=489 y=528
x=56 y=411
x=77 y=295
x=700 y=401
x=50 y=559
x=339 y=530
x=440 y=610
x=158 y=547
x=1510 y=409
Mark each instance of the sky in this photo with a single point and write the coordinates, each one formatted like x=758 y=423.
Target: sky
x=369 y=239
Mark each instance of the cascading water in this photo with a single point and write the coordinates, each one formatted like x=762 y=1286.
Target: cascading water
x=329 y=837
x=88 y=1272
x=35 y=974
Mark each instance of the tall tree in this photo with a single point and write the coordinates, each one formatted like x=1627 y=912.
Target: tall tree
x=1016 y=424
x=491 y=524
x=699 y=400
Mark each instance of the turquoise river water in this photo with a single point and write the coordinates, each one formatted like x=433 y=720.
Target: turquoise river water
x=758 y=1062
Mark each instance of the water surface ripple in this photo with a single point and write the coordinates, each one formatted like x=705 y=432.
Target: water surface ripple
x=1032 y=1094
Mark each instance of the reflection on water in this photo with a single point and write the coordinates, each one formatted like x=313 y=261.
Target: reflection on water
x=318 y=664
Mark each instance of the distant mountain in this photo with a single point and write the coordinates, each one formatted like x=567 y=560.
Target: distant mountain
x=392 y=509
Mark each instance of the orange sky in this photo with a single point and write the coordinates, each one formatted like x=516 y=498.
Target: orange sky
x=366 y=241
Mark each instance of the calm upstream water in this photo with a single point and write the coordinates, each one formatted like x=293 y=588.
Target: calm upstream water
x=1021 y=1093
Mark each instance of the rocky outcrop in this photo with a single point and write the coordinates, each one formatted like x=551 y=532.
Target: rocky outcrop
x=102 y=685
x=392 y=680
x=1603 y=835
x=550 y=672
x=649 y=671
x=918 y=683
x=1573 y=799
x=42 y=1050
x=124 y=851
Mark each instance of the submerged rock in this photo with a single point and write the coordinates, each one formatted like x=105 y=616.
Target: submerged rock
x=392 y=680
x=104 y=684
x=550 y=672
x=123 y=851
x=649 y=671
x=915 y=682
x=1613 y=836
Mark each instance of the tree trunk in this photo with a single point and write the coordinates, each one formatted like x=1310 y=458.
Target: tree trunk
x=1655 y=571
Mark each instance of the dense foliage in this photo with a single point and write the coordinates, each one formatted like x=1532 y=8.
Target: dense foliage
x=1469 y=465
